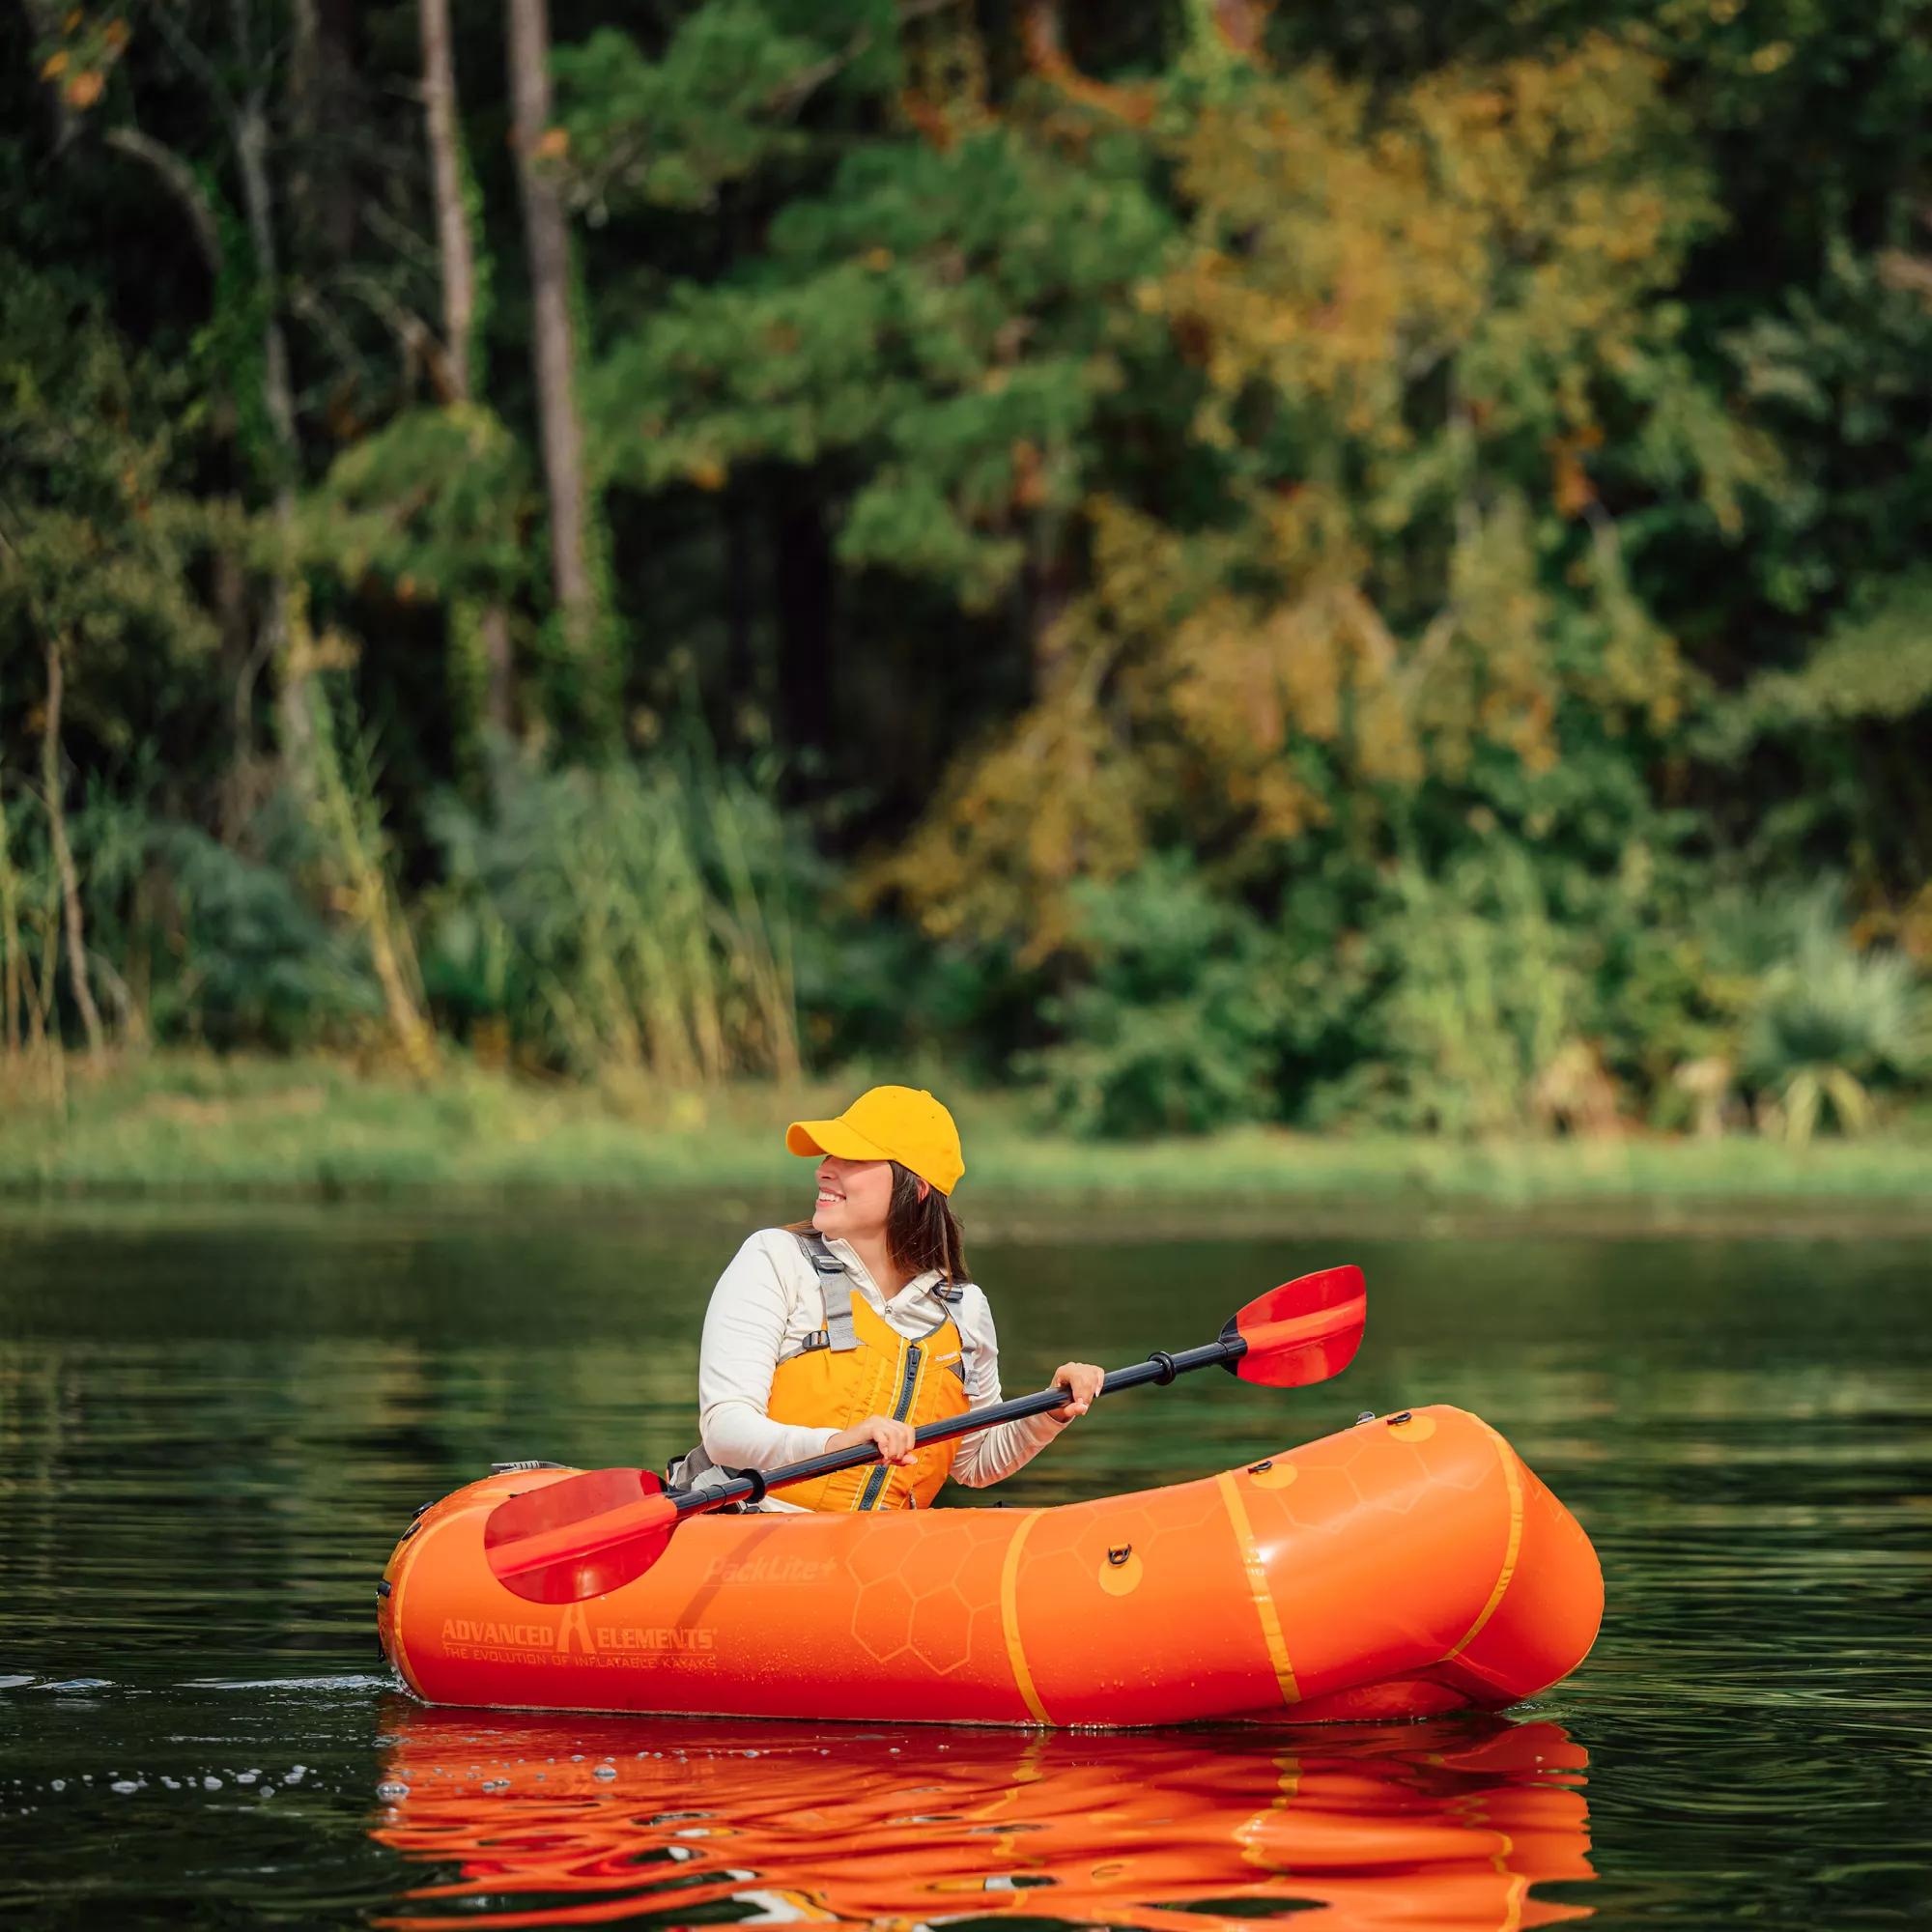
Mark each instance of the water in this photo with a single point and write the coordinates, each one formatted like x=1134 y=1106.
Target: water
x=212 y=1427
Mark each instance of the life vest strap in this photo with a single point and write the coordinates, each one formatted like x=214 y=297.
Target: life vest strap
x=819 y=1251
x=838 y=1333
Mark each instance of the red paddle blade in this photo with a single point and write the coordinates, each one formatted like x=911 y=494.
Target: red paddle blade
x=1303 y=1331
x=581 y=1537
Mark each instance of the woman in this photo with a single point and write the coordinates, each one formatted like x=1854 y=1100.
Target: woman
x=862 y=1324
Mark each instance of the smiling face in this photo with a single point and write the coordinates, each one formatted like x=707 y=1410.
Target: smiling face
x=853 y=1197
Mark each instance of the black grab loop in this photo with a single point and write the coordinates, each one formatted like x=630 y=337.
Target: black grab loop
x=1164 y=1362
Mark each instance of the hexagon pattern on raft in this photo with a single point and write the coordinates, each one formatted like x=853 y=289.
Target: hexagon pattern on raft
x=928 y=1595
x=1400 y=1469
x=1181 y=1513
x=917 y=1593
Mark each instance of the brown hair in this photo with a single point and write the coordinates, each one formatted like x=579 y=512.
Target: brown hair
x=920 y=1234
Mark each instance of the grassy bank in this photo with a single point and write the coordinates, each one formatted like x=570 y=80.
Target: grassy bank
x=175 y=1127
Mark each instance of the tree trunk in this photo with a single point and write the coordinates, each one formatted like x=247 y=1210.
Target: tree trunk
x=307 y=742
x=456 y=255
x=553 y=348
x=1046 y=589
x=241 y=654
x=292 y=697
x=321 y=68
x=445 y=172
x=181 y=182
x=12 y=958
x=70 y=880
x=492 y=625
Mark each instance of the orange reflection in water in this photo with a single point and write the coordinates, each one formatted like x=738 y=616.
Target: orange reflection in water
x=552 y=1820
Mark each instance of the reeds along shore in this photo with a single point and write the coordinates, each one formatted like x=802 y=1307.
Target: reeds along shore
x=195 y=1126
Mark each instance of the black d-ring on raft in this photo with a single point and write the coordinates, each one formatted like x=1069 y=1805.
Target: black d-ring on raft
x=1119 y=1556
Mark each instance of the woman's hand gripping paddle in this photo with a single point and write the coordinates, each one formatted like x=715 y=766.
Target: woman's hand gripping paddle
x=589 y=1534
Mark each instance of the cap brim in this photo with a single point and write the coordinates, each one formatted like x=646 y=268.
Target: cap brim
x=833 y=1137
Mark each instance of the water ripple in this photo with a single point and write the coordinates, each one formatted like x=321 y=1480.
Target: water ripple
x=198 y=1487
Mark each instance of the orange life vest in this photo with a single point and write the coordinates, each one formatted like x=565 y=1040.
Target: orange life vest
x=858 y=1365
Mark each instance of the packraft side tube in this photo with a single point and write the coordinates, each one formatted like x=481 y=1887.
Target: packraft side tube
x=1403 y=1567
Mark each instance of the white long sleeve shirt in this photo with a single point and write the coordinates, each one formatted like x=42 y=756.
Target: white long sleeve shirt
x=768 y=1300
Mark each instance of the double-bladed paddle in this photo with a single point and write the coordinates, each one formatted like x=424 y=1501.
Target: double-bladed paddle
x=590 y=1534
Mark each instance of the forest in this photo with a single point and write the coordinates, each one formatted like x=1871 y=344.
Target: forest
x=1358 y=568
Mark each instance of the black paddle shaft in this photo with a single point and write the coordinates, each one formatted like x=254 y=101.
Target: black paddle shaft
x=751 y=1485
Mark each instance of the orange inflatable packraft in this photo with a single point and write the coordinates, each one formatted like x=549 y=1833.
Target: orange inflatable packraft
x=1409 y=1566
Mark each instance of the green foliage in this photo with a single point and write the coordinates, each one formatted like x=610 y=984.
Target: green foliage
x=722 y=101
x=873 y=993
x=1431 y=343
x=253 y=962
x=439 y=505
x=1481 y=996
x=1175 y=1029
x=194 y=941
x=1874 y=663
x=630 y=919
x=953 y=320
x=1350 y=586
x=1838 y=367
x=1832 y=1025
x=97 y=540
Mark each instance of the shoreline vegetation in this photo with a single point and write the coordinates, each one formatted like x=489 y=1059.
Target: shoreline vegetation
x=1218 y=570
x=193 y=1129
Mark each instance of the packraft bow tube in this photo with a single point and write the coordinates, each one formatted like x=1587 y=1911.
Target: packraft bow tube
x=1406 y=1567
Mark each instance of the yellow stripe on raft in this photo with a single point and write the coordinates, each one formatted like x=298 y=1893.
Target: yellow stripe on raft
x=1511 y=1550
x=1258 y=1589
x=1009 y=1620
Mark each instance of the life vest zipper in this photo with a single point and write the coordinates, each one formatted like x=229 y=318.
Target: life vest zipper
x=875 y=1483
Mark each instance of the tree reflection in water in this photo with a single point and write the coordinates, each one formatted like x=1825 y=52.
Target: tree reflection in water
x=547 y=1820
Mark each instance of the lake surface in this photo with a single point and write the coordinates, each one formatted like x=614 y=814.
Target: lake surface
x=213 y=1426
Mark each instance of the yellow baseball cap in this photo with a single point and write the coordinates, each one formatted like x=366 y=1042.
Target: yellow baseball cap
x=901 y=1124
